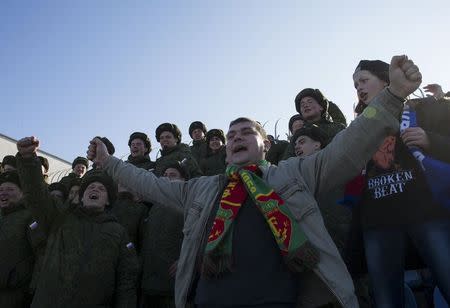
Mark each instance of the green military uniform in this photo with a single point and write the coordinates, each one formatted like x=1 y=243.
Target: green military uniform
x=336 y=114
x=67 y=180
x=331 y=122
x=276 y=151
x=88 y=259
x=214 y=163
x=198 y=149
x=38 y=240
x=161 y=248
x=181 y=153
x=16 y=256
x=143 y=162
x=131 y=216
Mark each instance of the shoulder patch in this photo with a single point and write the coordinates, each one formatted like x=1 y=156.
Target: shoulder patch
x=34 y=225
x=369 y=112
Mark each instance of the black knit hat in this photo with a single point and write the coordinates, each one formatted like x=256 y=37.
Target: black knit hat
x=44 y=163
x=168 y=127
x=294 y=118
x=178 y=166
x=10 y=177
x=215 y=132
x=312 y=131
x=195 y=125
x=59 y=186
x=377 y=68
x=314 y=93
x=9 y=160
x=102 y=177
x=80 y=160
x=144 y=138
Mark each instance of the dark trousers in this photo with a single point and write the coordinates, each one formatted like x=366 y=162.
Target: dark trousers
x=385 y=254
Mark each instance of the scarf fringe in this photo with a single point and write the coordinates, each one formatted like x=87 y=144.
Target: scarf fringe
x=303 y=259
x=214 y=265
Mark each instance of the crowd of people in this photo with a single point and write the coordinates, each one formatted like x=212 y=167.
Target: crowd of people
x=336 y=216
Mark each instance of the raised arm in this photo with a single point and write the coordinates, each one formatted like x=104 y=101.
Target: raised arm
x=37 y=197
x=350 y=150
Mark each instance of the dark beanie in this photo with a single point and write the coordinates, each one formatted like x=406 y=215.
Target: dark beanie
x=109 y=146
x=294 y=118
x=314 y=93
x=195 y=125
x=144 y=138
x=10 y=177
x=312 y=131
x=375 y=67
x=178 y=166
x=80 y=160
x=9 y=160
x=168 y=127
x=58 y=186
x=102 y=177
x=44 y=162
x=215 y=132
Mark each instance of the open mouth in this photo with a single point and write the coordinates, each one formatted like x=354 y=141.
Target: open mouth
x=4 y=200
x=363 y=96
x=93 y=196
x=298 y=152
x=239 y=148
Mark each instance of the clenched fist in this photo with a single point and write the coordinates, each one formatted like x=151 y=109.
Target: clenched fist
x=404 y=76
x=97 y=152
x=28 y=146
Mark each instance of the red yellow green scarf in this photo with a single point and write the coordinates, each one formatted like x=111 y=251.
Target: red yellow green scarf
x=294 y=246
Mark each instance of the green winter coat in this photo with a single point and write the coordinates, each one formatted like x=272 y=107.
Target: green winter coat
x=88 y=260
x=68 y=179
x=16 y=257
x=336 y=114
x=163 y=235
x=143 y=162
x=214 y=163
x=38 y=240
x=131 y=216
x=181 y=153
x=276 y=151
x=199 y=149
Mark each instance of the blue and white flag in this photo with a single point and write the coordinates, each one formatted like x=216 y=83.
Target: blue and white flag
x=437 y=173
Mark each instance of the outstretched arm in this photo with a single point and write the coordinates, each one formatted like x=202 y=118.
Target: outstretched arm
x=146 y=184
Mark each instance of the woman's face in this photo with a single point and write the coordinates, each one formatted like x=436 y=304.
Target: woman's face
x=367 y=85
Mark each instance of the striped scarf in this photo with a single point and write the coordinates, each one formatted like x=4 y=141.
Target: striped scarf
x=293 y=244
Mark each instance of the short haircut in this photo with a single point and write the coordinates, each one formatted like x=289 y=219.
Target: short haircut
x=257 y=125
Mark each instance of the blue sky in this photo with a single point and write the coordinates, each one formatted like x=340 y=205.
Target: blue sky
x=75 y=69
